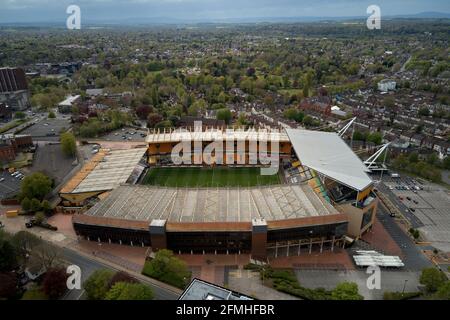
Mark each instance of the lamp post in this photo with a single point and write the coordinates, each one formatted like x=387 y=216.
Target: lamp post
x=404 y=286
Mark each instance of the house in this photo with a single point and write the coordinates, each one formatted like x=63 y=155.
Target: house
x=92 y=93
x=320 y=105
x=66 y=105
x=386 y=85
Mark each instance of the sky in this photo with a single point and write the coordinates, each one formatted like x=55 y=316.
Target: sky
x=206 y=10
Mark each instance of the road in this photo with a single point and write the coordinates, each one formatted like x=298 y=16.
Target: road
x=413 y=259
x=88 y=266
x=413 y=220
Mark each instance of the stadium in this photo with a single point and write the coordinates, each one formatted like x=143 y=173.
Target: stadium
x=320 y=198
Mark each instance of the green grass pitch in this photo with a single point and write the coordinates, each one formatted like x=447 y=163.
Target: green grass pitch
x=208 y=177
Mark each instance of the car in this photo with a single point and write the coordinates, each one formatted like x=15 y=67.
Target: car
x=46 y=124
x=412 y=209
x=1 y=224
x=400 y=197
x=116 y=134
x=29 y=224
x=94 y=151
x=129 y=138
x=408 y=198
x=406 y=188
x=124 y=137
x=2 y=179
x=416 y=202
x=143 y=135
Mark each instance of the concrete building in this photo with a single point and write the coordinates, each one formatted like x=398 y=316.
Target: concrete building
x=14 y=88
x=386 y=85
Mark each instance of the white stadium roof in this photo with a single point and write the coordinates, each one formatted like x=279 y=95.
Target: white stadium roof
x=328 y=154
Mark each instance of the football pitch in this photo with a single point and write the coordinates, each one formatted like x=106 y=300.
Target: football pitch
x=208 y=177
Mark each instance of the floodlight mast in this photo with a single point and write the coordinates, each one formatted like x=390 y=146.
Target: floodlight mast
x=345 y=128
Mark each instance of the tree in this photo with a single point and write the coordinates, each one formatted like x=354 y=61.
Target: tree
x=68 y=144
x=375 y=137
x=443 y=291
x=168 y=268
x=432 y=279
x=19 y=115
x=96 y=285
x=26 y=204
x=34 y=293
x=143 y=111
x=36 y=185
x=24 y=242
x=35 y=205
x=424 y=111
x=307 y=121
x=39 y=216
x=346 y=291
x=121 y=277
x=54 y=283
x=153 y=119
x=8 y=285
x=413 y=157
x=46 y=207
x=8 y=259
x=47 y=254
x=224 y=114
x=129 y=291
x=51 y=115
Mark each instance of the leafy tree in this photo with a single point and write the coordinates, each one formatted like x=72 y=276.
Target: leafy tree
x=432 y=279
x=36 y=185
x=24 y=242
x=68 y=144
x=413 y=157
x=224 y=114
x=34 y=293
x=19 y=115
x=54 y=283
x=35 y=205
x=307 y=121
x=443 y=291
x=8 y=285
x=424 y=111
x=8 y=259
x=39 y=217
x=26 y=204
x=51 y=115
x=153 y=119
x=46 y=207
x=168 y=268
x=129 y=291
x=375 y=137
x=346 y=291
x=96 y=285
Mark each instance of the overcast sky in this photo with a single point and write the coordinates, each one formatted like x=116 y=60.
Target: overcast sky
x=55 y=10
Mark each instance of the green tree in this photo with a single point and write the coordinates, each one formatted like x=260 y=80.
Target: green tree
x=8 y=259
x=443 y=291
x=424 y=111
x=68 y=144
x=129 y=291
x=224 y=114
x=308 y=121
x=375 y=137
x=26 y=204
x=25 y=242
x=36 y=185
x=46 y=207
x=51 y=115
x=168 y=268
x=39 y=217
x=34 y=293
x=97 y=285
x=432 y=279
x=19 y=115
x=35 y=205
x=346 y=291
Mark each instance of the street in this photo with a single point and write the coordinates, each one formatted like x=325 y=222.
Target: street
x=88 y=266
